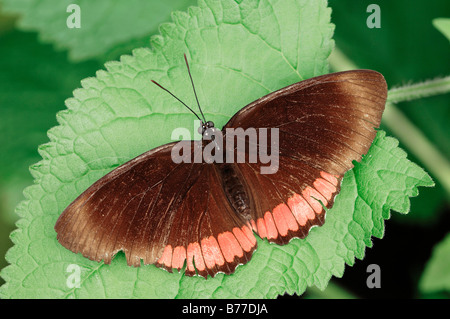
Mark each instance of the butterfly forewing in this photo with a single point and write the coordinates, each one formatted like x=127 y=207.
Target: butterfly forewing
x=324 y=124
x=164 y=213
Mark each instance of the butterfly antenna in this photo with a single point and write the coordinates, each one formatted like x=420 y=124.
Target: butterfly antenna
x=193 y=87
x=177 y=99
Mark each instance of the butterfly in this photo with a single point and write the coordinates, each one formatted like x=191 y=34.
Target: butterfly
x=203 y=216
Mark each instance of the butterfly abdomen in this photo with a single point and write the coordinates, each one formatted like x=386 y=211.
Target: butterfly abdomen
x=235 y=191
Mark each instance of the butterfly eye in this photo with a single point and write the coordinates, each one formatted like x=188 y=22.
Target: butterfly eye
x=209 y=124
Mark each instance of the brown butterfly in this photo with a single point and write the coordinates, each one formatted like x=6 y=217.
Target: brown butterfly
x=202 y=216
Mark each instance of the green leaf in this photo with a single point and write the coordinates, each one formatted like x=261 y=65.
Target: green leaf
x=105 y=24
x=119 y=114
x=436 y=276
x=443 y=25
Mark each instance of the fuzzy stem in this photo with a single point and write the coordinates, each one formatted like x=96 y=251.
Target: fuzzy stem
x=411 y=136
x=419 y=90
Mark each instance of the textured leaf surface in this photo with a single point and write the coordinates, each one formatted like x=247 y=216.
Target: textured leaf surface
x=105 y=24
x=238 y=52
x=436 y=276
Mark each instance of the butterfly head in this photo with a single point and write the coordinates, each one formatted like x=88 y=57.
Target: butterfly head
x=206 y=128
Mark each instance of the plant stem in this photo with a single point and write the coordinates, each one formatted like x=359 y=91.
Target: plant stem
x=419 y=90
x=411 y=136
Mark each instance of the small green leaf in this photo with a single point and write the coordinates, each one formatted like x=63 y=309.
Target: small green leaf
x=436 y=276
x=443 y=25
x=119 y=114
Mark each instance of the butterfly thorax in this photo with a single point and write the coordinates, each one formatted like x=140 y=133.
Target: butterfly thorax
x=235 y=190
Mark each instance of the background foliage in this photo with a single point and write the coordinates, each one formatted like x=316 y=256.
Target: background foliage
x=39 y=69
